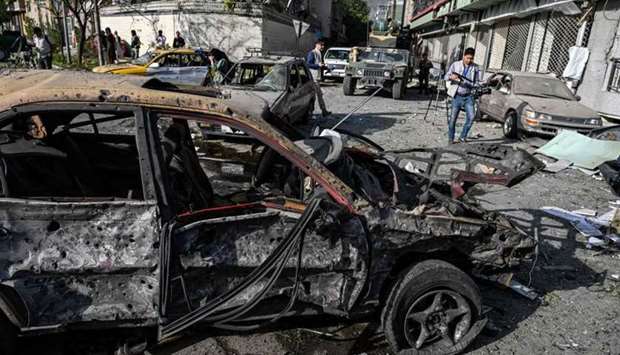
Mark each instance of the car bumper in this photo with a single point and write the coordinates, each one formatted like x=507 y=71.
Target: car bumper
x=551 y=128
x=335 y=73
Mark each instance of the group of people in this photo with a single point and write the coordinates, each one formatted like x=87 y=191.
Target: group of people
x=115 y=48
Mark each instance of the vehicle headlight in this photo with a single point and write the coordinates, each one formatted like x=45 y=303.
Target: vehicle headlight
x=595 y=122
x=360 y=72
x=529 y=117
x=387 y=74
x=544 y=117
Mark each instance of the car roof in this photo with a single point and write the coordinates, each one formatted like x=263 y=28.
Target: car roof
x=22 y=87
x=268 y=59
x=339 y=49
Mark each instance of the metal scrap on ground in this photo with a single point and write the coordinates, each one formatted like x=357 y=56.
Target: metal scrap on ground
x=582 y=151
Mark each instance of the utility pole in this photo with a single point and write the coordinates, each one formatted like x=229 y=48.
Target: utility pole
x=98 y=29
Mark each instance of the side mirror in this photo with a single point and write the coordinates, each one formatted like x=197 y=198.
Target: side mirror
x=577 y=97
x=154 y=65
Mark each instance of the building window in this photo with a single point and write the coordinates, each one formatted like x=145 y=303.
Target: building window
x=614 y=81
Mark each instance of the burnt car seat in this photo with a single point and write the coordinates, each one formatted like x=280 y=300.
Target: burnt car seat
x=192 y=189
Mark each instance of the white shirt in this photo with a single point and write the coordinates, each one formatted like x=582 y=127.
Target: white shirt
x=161 y=41
x=42 y=45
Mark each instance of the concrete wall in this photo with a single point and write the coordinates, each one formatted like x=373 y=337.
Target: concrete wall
x=604 y=46
x=208 y=25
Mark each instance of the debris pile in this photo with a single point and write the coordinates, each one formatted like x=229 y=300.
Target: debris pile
x=603 y=232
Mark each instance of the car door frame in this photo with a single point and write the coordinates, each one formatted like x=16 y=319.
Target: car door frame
x=167 y=330
x=148 y=176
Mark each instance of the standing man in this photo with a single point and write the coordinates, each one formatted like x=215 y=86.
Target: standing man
x=314 y=60
x=43 y=47
x=110 y=46
x=463 y=99
x=179 y=42
x=135 y=45
x=119 y=45
x=425 y=67
x=160 y=41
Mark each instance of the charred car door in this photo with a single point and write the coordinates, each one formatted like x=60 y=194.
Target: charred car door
x=79 y=227
x=282 y=250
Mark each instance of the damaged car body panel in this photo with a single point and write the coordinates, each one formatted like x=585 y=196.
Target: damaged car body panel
x=152 y=238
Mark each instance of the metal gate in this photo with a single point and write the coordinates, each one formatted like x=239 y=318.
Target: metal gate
x=553 y=34
x=516 y=42
x=498 y=44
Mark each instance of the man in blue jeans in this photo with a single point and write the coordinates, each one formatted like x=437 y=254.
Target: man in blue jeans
x=463 y=98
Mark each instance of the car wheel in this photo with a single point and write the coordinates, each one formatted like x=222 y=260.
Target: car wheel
x=8 y=338
x=510 y=126
x=434 y=308
x=398 y=89
x=348 y=85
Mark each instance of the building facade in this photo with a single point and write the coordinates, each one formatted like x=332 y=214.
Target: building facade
x=211 y=24
x=527 y=35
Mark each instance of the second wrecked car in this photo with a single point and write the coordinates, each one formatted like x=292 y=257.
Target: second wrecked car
x=111 y=218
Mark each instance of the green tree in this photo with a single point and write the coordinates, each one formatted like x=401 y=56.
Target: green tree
x=355 y=20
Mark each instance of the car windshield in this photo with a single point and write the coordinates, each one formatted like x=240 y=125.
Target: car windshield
x=382 y=56
x=274 y=80
x=143 y=59
x=337 y=54
x=545 y=87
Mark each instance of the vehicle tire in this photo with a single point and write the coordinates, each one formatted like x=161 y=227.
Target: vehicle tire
x=434 y=308
x=348 y=85
x=8 y=336
x=510 y=125
x=398 y=89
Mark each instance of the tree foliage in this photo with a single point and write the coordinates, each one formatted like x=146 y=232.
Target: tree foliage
x=355 y=19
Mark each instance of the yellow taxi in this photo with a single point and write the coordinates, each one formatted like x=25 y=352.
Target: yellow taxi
x=181 y=65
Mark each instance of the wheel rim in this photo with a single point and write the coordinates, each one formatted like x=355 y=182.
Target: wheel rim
x=437 y=317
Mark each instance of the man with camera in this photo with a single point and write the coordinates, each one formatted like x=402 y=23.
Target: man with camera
x=464 y=77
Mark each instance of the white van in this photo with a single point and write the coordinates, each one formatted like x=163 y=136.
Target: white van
x=336 y=59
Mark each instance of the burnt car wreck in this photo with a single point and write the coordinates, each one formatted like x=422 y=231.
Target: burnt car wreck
x=117 y=213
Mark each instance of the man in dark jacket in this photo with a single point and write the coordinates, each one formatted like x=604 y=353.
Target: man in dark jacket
x=179 y=42
x=314 y=60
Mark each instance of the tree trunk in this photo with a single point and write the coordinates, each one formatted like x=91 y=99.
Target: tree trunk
x=82 y=42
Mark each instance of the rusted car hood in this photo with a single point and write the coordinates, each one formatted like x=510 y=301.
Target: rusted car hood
x=559 y=107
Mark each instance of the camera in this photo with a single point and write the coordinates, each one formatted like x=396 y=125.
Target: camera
x=478 y=91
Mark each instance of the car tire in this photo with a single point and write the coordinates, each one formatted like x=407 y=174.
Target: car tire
x=510 y=125
x=450 y=293
x=348 y=85
x=8 y=336
x=398 y=89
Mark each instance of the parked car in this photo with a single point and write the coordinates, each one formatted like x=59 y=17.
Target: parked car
x=284 y=83
x=111 y=219
x=336 y=59
x=183 y=65
x=535 y=103
x=373 y=68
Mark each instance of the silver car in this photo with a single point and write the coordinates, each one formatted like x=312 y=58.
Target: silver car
x=535 y=103
x=284 y=83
